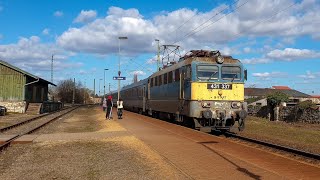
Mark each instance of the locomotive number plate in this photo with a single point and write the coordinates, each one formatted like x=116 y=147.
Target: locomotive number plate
x=219 y=86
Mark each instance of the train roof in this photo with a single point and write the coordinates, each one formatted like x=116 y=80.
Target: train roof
x=141 y=82
x=197 y=56
x=192 y=56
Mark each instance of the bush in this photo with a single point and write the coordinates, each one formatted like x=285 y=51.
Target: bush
x=276 y=98
x=306 y=105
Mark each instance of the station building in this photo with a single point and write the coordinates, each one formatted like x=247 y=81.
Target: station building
x=20 y=90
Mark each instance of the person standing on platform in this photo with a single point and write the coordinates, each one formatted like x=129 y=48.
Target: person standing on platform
x=109 y=108
x=104 y=104
x=119 y=108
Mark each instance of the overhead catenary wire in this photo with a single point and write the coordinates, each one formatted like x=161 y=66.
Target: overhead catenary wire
x=194 y=31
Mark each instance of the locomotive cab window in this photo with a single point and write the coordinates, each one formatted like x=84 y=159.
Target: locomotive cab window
x=205 y=72
x=230 y=72
x=188 y=73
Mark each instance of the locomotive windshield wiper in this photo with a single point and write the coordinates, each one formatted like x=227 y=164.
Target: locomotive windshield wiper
x=212 y=75
x=234 y=76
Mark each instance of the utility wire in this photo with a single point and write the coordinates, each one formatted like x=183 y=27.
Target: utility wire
x=193 y=31
x=268 y=19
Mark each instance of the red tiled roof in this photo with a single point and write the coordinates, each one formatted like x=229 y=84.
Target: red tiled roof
x=316 y=96
x=281 y=87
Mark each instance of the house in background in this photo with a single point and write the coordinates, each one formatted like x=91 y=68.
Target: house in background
x=20 y=90
x=261 y=95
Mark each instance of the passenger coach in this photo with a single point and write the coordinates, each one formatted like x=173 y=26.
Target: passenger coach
x=203 y=90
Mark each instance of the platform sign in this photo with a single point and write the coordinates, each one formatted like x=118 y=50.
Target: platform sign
x=119 y=78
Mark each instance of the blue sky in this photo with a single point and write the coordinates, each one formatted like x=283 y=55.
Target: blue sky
x=277 y=40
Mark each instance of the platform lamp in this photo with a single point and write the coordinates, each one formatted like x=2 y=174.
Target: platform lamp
x=104 y=82
x=119 y=72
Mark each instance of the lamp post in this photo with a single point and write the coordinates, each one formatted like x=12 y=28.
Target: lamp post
x=158 y=54
x=99 y=86
x=119 y=72
x=104 y=82
x=84 y=91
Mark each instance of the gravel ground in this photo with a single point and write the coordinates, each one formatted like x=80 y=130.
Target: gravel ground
x=11 y=119
x=115 y=157
x=83 y=119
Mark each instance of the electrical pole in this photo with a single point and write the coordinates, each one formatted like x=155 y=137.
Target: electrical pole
x=52 y=76
x=52 y=68
x=158 y=54
x=94 y=88
x=84 y=92
x=74 y=89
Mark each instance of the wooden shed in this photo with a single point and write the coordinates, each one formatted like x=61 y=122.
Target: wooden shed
x=19 y=86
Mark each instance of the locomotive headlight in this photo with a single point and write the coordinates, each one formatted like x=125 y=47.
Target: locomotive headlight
x=235 y=105
x=205 y=104
x=219 y=59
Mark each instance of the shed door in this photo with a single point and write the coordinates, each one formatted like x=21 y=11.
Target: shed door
x=34 y=93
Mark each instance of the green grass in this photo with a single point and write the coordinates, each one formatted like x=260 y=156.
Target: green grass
x=305 y=136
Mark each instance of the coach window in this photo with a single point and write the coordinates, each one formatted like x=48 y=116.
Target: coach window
x=170 y=77
x=160 y=80
x=165 y=78
x=151 y=82
x=177 y=75
x=230 y=72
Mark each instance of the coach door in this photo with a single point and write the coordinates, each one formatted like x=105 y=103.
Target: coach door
x=144 y=99
x=181 y=74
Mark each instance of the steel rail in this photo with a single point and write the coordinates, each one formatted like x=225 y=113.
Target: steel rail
x=9 y=141
x=26 y=121
x=276 y=146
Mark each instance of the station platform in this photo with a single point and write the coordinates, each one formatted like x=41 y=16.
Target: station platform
x=169 y=151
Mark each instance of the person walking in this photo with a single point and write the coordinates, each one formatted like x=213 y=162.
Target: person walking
x=104 y=104
x=109 y=108
x=120 y=108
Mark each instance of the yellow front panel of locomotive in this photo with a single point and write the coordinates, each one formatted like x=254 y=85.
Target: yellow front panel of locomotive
x=200 y=91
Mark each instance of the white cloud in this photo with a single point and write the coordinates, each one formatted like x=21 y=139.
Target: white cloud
x=101 y=36
x=290 y=54
x=138 y=73
x=247 y=49
x=268 y=75
x=256 y=61
x=250 y=20
x=46 y=31
x=86 y=16
x=310 y=75
x=31 y=54
x=58 y=14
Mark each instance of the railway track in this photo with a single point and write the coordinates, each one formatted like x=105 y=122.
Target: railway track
x=275 y=146
x=56 y=115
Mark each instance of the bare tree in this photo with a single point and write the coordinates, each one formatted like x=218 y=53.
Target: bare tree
x=64 y=91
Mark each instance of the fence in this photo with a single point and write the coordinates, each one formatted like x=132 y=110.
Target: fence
x=50 y=106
